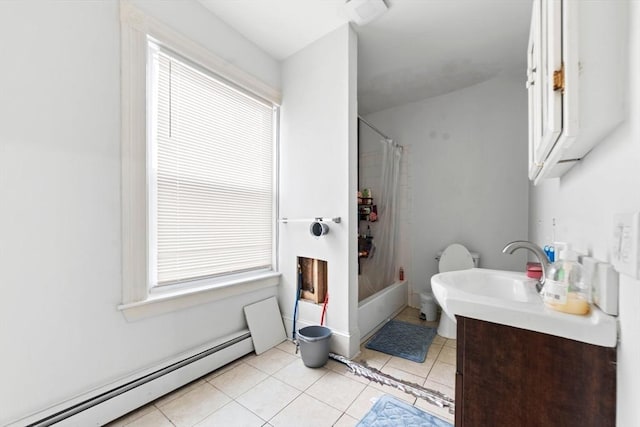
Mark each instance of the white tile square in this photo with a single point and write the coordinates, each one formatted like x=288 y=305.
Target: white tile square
x=132 y=416
x=288 y=346
x=271 y=361
x=444 y=389
x=306 y=411
x=238 y=380
x=434 y=350
x=232 y=414
x=443 y=373
x=447 y=355
x=194 y=406
x=442 y=413
x=375 y=359
x=346 y=421
x=161 y=401
x=435 y=410
x=154 y=418
x=363 y=403
x=336 y=390
x=299 y=376
x=224 y=368
x=268 y=397
x=439 y=340
x=342 y=369
x=419 y=369
x=401 y=375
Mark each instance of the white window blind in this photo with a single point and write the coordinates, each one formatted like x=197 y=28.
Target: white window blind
x=212 y=169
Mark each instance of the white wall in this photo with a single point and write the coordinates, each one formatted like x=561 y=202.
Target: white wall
x=466 y=154
x=318 y=170
x=583 y=203
x=198 y=23
x=60 y=245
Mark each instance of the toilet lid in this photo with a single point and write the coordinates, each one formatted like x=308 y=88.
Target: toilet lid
x=455 y=257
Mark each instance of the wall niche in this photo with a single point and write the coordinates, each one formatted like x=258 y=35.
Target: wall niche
x=312 y=279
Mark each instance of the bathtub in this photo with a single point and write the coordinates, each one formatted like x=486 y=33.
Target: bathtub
x=374 y=311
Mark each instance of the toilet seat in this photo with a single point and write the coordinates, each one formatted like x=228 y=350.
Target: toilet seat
x=455 y=257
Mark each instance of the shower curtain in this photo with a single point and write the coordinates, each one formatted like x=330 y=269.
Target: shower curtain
x=381 y=270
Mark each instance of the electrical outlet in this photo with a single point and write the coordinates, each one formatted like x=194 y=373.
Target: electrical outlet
x=626 y=237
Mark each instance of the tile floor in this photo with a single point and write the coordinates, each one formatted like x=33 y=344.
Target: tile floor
x=276 y=389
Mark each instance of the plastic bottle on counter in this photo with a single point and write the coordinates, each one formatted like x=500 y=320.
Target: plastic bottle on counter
x=565 y=288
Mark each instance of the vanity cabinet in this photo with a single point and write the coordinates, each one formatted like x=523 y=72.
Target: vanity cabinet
x=576 y=75
x=507 y=376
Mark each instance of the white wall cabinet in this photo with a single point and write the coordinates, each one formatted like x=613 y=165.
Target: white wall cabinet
x=576 y=74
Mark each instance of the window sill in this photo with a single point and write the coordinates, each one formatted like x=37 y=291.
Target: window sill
x=169 y=301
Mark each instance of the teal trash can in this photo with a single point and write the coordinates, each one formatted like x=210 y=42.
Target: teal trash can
x=314 y=345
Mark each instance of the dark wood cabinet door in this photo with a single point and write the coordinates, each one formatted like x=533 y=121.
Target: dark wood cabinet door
x=513 y=377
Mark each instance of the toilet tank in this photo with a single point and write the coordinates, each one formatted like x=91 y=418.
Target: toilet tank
x=474 y=255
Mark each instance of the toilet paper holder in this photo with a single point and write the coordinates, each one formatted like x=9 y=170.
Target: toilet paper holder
x=319 y=228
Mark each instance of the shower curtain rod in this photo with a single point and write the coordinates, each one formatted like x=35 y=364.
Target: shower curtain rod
x=376 y=130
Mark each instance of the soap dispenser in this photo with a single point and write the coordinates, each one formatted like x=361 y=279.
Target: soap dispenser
x=565 y=288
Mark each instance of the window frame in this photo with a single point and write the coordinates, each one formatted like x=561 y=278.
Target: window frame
x=139 y=299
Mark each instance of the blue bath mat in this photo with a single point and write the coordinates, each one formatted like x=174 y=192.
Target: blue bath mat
x=391 y=412
x=404 y=340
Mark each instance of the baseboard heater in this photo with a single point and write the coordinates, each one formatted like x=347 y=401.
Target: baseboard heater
x=111 y=404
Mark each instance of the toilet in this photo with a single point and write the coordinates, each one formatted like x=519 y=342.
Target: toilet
x=454 y=257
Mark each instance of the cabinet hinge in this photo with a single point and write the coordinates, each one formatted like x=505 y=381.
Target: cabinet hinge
x=558 y=79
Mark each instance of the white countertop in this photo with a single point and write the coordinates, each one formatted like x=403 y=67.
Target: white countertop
x=510 y=298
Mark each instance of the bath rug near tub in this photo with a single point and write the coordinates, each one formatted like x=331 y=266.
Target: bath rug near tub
x=389 y=411
x=404 y=340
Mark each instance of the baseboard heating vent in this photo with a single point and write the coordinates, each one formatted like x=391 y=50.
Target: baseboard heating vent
x=112 y=404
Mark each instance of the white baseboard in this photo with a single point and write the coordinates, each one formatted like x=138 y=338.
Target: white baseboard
x=108 y=403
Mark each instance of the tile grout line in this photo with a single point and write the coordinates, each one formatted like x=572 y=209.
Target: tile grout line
x=300 y=394
x=374 y=356
x=165 y=416
x=242 y=394
x=248 y=409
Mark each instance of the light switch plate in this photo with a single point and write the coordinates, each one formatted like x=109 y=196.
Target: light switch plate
x=624 y=248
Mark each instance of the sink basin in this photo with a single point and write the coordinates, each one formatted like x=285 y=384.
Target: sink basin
x=510 y=298
x=493 y=284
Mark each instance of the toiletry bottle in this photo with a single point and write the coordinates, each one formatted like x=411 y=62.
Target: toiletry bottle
x=550 y=252
x=565 y=288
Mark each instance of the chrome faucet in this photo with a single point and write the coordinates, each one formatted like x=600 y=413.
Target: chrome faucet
x=542 y=257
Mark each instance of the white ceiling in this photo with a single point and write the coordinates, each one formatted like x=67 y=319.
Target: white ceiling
x=416 y=50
